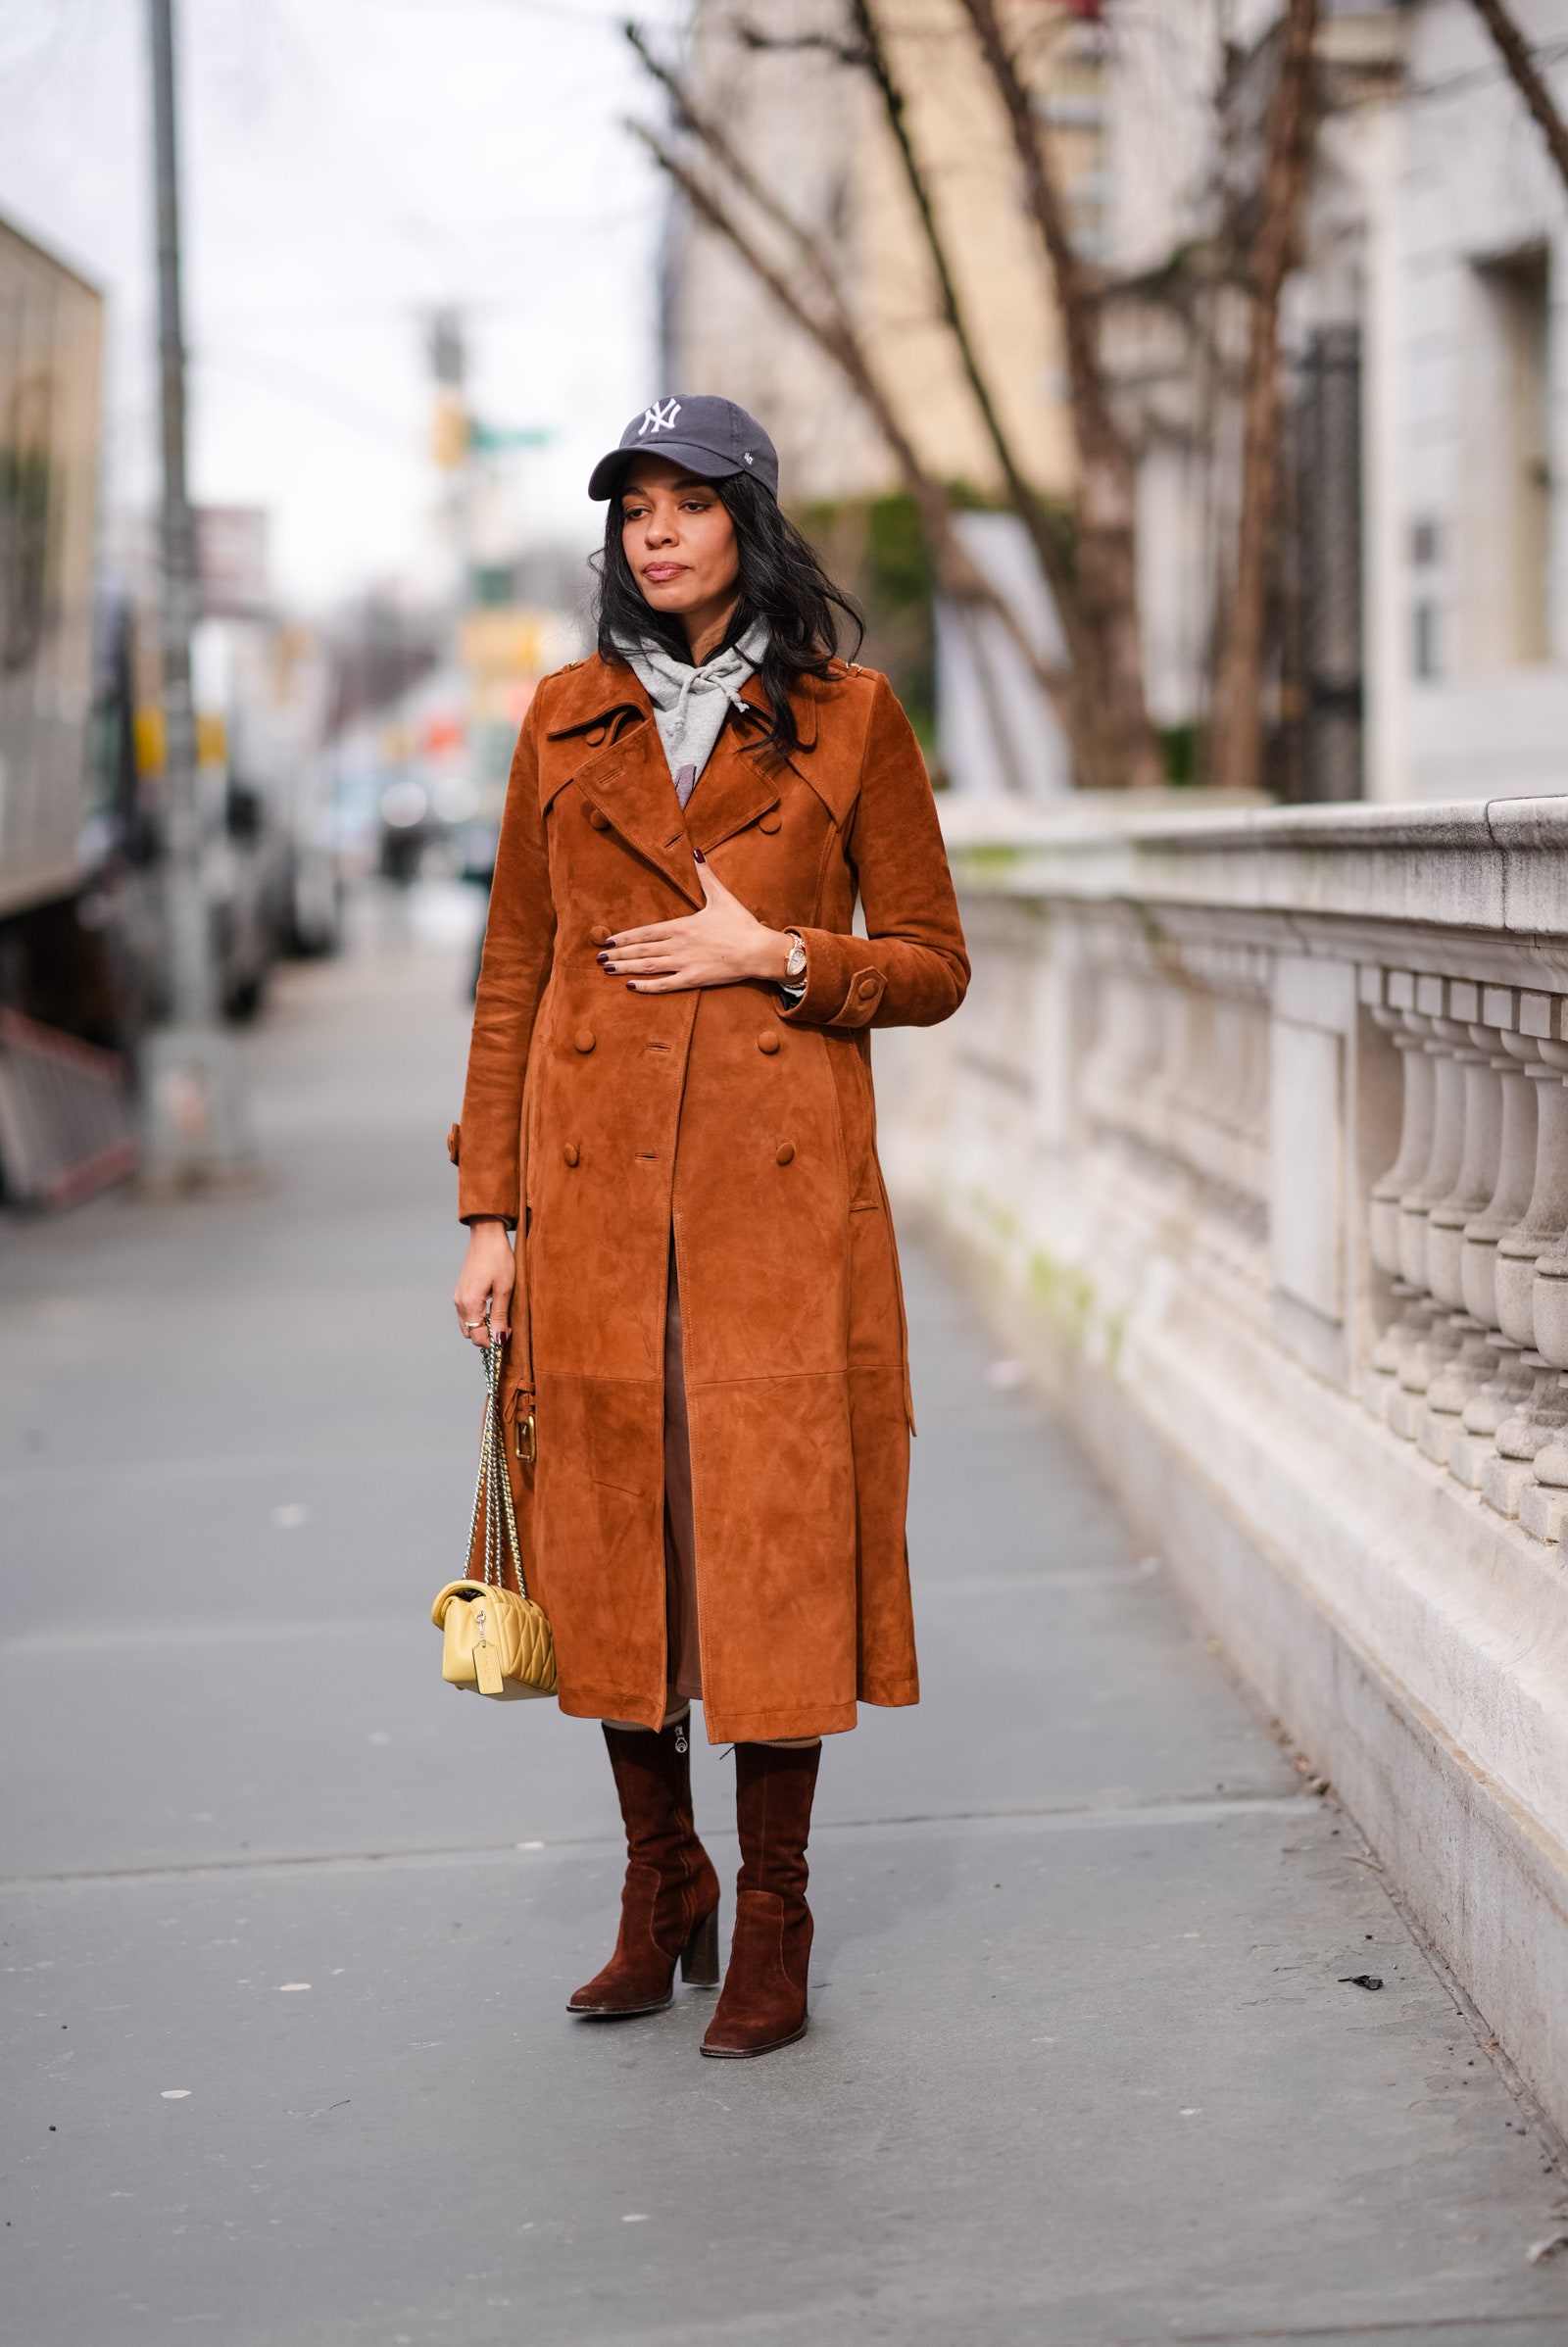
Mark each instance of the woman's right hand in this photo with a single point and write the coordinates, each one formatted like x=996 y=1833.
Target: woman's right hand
x=485 y=1282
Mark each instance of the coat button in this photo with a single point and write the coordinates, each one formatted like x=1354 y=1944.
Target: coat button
x=584 y=1039
x=570 y=1153
x=600 y=822
x=767 y=1041
x=866 y=989
x=595 y=735
x=784 y=1153
x=601 y=936
x=772 y=823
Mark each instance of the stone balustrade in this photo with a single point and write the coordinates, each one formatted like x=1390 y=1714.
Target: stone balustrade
x=1470 y=1224
x=1254 y=1134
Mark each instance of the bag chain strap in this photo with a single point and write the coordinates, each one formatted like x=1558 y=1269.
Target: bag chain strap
x=492 y=1491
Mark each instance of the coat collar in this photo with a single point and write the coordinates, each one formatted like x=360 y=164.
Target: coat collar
x=626 y=771
x=591 y=693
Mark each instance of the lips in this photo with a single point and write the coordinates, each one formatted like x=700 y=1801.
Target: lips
x=662 y=572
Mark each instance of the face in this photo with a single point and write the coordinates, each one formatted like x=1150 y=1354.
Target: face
x=678 y=538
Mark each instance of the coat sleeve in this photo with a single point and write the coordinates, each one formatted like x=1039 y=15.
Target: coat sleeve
x=911 y=968
x=518 y=945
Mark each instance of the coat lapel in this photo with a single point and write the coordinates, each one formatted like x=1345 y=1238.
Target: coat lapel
x=627 y=778
x=629 y=781
x=734 y=789
x=737 y=785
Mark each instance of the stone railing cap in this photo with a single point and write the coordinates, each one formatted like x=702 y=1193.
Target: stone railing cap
x=1173 y=821
x=1487 y=865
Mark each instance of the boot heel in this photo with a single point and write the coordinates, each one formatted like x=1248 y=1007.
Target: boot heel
x=698 y=1963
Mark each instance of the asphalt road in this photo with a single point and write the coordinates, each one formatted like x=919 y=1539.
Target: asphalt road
x=288 y=1927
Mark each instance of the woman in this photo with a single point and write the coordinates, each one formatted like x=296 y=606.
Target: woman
x=669 y=1102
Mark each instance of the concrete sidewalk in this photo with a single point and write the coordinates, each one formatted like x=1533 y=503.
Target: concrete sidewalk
x=288 y=1927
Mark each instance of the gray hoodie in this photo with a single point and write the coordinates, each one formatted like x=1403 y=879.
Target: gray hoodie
x=690 y=705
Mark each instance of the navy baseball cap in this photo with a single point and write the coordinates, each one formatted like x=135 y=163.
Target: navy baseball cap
x=712 y=437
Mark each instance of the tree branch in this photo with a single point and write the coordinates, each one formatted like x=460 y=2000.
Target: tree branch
x=1113 y=738
x=1075 y=288
x=1049 y=543
x=1526 y=75
x=1238 y=714
x=691 y=118
x=958 y=575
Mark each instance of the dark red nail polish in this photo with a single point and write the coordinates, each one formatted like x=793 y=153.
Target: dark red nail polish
x=701 y=858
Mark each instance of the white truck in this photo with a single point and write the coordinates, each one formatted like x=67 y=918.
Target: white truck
x=51 y=338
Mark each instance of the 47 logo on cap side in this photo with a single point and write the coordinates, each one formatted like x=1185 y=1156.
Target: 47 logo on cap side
x=661 y=416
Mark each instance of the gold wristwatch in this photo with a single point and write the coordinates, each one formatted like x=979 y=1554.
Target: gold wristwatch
x=795 y=968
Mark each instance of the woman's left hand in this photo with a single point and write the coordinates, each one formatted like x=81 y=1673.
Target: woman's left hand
x=717 y=947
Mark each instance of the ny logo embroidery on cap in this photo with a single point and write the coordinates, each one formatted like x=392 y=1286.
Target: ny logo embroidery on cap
x=659 y=417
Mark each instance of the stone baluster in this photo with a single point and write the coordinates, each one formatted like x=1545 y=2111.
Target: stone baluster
x=1406 y=1033
x=1414 y=1312
x=1439 y=1342
x=1508 y=1387
x=1188 y=1092
x=1544 y=1501
x=1530 y=1429
x=1253 y=1101
x=1122 y=1050
x=1442 y=1169
x=1158 y=1104
x=1477 y=1178
x=1475 y=1184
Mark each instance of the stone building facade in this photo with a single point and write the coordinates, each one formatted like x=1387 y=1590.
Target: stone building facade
x=813 y=128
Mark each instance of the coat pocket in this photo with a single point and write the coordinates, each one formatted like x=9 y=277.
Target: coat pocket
x=624 y=1436
x=856 y=1119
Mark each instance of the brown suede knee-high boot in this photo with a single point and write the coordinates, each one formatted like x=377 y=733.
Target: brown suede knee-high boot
x=669 y=1904
x=763 y=2000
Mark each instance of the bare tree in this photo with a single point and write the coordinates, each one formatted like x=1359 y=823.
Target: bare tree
x=1108 y=638
x=1046 y=530
x=1236 y=759
x=1090 y=697
x=1089 y=553
x=823 y=314
x=1516 y=55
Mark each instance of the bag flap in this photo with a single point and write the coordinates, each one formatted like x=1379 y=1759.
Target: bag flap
x=454 y=1589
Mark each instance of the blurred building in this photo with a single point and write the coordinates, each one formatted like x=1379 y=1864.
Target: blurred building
x=1421 y=602
x=1419 y=607
x=813 y=127
x=1465 y=334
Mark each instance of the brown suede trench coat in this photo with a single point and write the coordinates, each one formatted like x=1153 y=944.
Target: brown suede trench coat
x=602 y=1120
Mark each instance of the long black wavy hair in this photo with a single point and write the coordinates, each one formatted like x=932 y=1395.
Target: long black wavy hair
x=780 y=581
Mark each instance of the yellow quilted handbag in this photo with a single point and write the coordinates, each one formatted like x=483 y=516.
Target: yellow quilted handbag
x=495 y=1640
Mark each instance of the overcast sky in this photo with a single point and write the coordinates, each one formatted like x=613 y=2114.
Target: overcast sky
x=346 y=165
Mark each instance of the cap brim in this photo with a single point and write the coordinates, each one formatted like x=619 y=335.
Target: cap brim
x=607 y=475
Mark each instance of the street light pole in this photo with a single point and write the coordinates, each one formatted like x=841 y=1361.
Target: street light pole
x=195 y=1124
